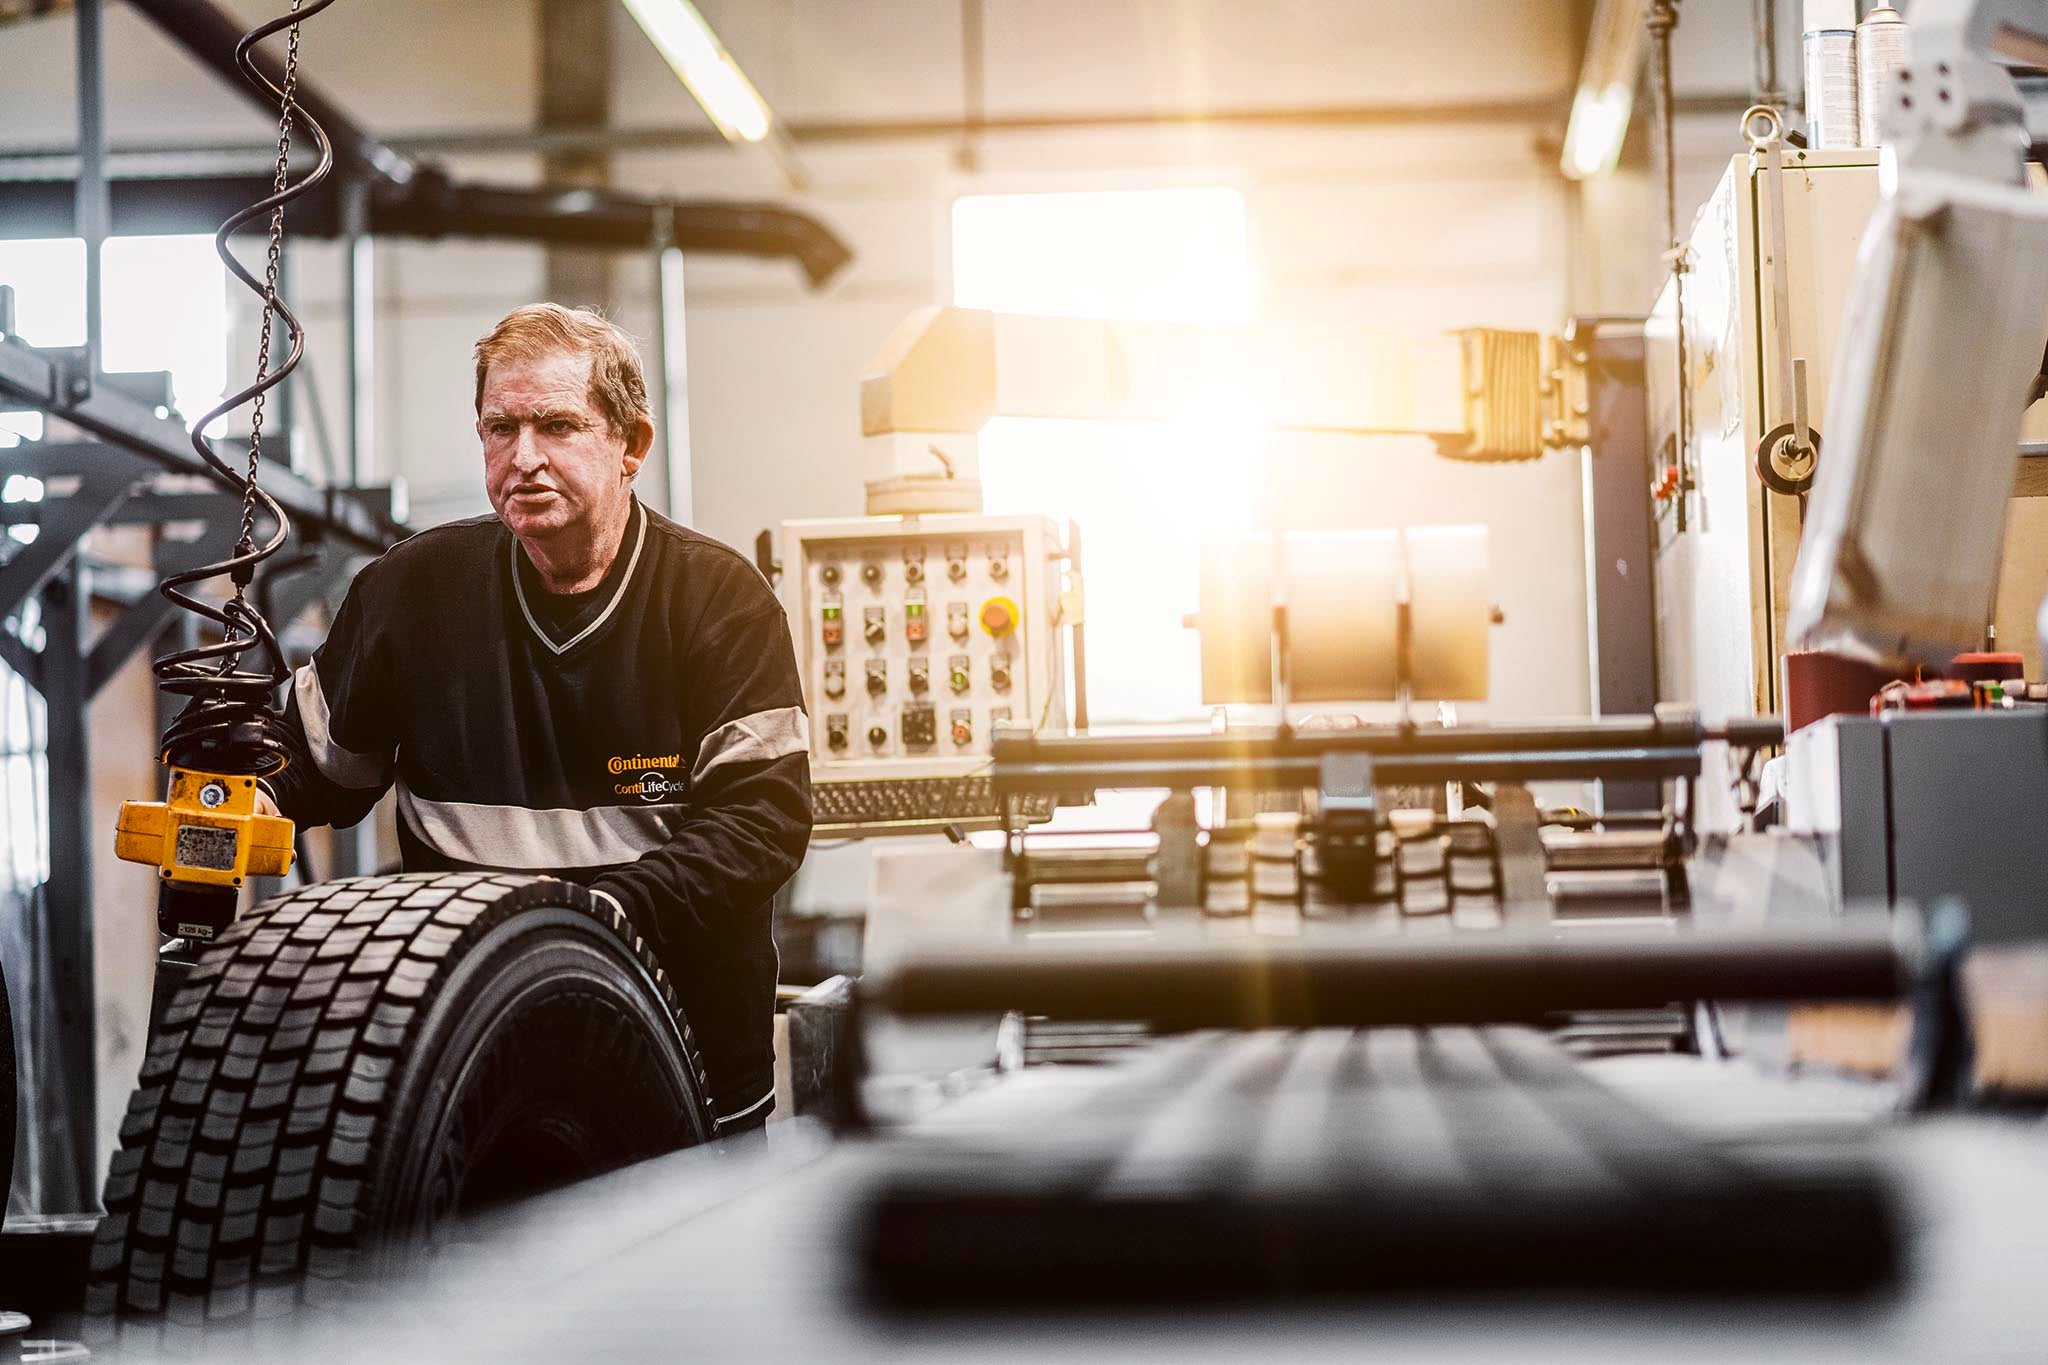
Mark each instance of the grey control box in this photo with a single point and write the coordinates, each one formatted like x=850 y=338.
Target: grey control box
x=1926 y=805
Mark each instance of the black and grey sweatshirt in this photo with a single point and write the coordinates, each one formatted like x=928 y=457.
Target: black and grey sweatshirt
x=646 y=738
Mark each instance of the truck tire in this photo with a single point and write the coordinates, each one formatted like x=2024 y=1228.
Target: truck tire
x=353 y=1066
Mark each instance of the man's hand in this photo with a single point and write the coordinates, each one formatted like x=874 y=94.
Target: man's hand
x=648 y=932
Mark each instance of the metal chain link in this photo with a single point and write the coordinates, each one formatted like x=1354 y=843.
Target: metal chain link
x=287 y=110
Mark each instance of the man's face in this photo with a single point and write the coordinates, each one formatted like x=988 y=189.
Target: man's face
x=550 y=461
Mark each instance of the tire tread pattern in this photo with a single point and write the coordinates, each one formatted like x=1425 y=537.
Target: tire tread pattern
x=238 y=1186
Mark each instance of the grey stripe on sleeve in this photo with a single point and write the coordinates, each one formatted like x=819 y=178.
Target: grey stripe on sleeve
x=752 y=739
x=343 y=767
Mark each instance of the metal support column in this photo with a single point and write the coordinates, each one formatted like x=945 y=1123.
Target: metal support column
x=65 y=1037
x=575 y=78
x=1620 y=599
x=672 y=376
x=359 y=299
x=1763 y=23
x=93 y=205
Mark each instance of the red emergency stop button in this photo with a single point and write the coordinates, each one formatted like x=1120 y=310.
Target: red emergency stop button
x=999 y=616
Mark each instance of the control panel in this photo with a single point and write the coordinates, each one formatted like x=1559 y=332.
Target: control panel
x=917 y=637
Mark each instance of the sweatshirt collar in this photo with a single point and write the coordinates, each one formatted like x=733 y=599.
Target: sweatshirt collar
x=634 y=540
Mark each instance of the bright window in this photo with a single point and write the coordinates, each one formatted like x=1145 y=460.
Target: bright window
x=1145 y=495
x=165 y=305
x=1175 y=255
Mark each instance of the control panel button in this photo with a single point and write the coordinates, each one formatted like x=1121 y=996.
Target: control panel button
x=920 y=726
x=871 y=574
x=878 y=677
x=835 y=732
x=956 y=620
x=963 y=728
x=835 y=677
x=829 y=575
x=874 y=624
x=999 y=616
x=877 y=736
x=913 y=618
x=958 y=676
x=832 y=622
x=920 y=675
x=999 y=672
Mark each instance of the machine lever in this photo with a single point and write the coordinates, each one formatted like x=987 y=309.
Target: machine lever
x=1786 y=456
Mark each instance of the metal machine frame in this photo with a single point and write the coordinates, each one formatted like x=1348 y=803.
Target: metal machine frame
x=1346 y=769
x=1621 y=627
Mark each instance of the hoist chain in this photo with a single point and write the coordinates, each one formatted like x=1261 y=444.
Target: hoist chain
x=287 y=110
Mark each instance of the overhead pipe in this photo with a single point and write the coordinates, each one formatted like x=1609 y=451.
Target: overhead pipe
x=439 y=207
x=414 y=198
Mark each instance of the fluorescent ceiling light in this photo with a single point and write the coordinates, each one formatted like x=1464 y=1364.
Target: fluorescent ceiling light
x=1592 y=142
x=693 y=51
x=1606 y=91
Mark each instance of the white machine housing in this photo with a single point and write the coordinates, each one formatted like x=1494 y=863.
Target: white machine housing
x=1724 y=584
x=877 y=570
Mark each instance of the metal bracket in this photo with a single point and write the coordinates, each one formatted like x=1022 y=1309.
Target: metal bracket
x=1786 y=456
x=1347 y=825
x=1525 y=893
x=1177 y=866
x=1567 y=408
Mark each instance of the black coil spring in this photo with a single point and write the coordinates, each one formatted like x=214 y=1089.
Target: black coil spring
x=228 y=723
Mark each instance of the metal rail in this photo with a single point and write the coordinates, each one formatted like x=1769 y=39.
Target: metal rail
x=1606 y=747
x=1381 y=982
x=32 y=160
x=1304 y=770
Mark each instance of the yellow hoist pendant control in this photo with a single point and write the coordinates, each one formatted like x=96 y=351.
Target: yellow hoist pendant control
x=205 y=842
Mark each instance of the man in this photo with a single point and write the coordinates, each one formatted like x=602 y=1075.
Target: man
x=581 y=687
